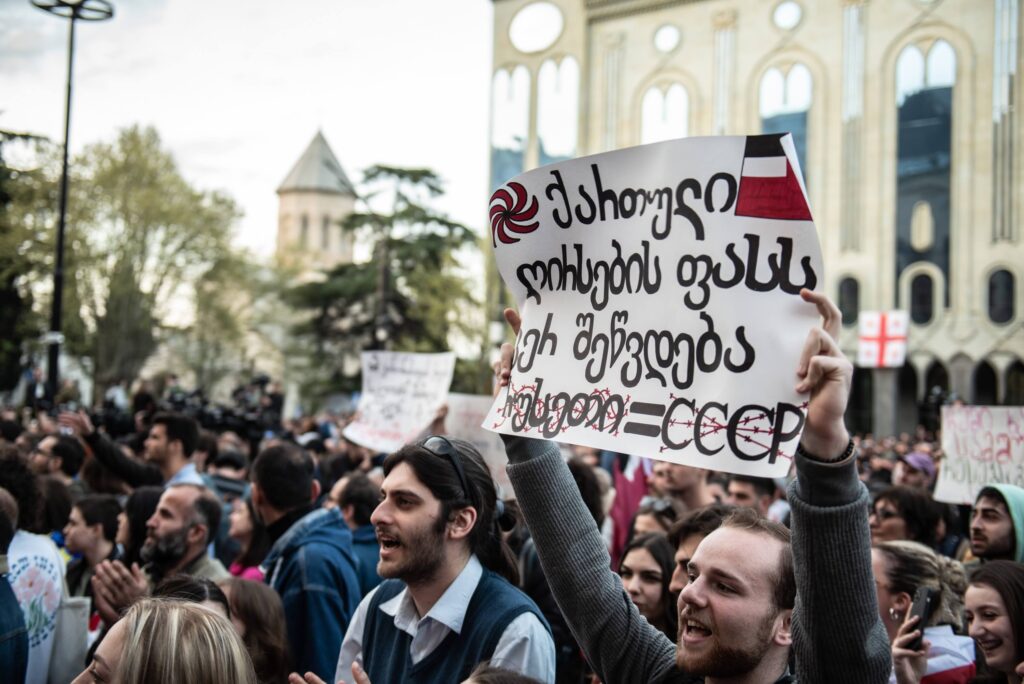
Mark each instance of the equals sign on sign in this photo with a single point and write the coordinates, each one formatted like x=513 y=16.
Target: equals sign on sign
x=644 y=409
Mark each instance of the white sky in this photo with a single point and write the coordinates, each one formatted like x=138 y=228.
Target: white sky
x=237 y=89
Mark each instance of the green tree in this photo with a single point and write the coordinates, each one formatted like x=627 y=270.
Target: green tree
x=153 y=236
x=410 y=297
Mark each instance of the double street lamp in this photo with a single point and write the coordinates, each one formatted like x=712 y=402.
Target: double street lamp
x=73 y=10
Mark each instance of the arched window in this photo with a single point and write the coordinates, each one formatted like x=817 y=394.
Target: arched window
x=510 y=117
x=1001 y=296
x=984 y=390
x=849 y=300
x=1014 y=385
x=784 y=101
x=665 y=113
x=924 y=101
x=558 y=88
x=922 y=298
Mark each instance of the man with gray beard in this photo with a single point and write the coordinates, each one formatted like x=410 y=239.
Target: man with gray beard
x=177 y=535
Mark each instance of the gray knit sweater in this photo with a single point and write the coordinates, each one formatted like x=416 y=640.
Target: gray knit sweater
x=838 y=637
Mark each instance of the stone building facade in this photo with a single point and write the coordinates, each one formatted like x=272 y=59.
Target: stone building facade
x=908 y=126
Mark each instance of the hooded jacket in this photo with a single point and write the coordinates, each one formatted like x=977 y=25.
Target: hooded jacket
x=313 y=569
x=1014 y=498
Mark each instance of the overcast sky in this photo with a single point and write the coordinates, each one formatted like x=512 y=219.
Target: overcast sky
x=237 y=89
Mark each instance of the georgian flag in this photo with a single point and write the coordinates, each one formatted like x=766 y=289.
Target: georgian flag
x=769 y=186
x=882 y=339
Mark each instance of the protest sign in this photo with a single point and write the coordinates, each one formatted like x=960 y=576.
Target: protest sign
x=659 y=290
x=981 y=445
x=466 y=412
x=401 y=395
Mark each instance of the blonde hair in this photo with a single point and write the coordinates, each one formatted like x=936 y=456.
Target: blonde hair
x=910 y=565
x=173 y=641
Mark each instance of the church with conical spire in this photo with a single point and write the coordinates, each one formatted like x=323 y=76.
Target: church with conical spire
x=313 y=200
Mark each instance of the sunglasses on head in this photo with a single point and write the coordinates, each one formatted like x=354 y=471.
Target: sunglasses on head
x=442 y=448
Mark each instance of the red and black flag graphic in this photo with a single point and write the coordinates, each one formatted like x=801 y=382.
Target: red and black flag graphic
x=769 y=187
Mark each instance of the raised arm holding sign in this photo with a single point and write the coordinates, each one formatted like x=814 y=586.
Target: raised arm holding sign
x=752 y=594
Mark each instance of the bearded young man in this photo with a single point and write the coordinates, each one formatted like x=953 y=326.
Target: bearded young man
x=448 y=601
x=752 y=594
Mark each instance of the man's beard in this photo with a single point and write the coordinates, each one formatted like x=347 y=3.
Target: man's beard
x=424 y=554
x=722 y=661
x=167 y=551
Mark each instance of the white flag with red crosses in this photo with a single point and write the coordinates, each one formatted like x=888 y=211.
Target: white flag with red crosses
x=882 y=339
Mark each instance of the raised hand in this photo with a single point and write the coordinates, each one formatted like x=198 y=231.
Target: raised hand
x=909 y=665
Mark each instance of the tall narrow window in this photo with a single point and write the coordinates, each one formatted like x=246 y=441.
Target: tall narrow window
x=325 y=233
x=1001 y=296
x=785 y=100
x=510 y=116
x=664 y=113
x=558 y=88
x=922 y=299
x=304 y=232
x=849 y=300
x=924 y=100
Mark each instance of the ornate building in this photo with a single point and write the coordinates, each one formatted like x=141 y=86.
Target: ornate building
x=905 y=118
x=314 y=198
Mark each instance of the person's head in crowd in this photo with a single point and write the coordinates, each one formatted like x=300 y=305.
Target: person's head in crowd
x=56 y=504
x=17 y=479
x=258 y=616
x=997 y=523
x=172 y=439
x=736 y=609
x=186 y=518
x=206 y=450
x=686 y=534
x=655 y=515
x=357 y=500
x=439 y=506
x=230 y=441
x=249 y=532
x=900 y=568
x=752 y=492
x=91 y=529
x=485 y=673
x=230 y=464
x=58 y=455
x=131 y=523
x=194 y=590
x=10 y=430
x=916 y=469
x=589 y=455
x=588 y=481
x=994 y=612
x=282 y=481
x=102 y=480
x=904 y=513
x=718 y=486
x=8 y=519
x=686 y=484
x=160 y=640
x=646 y=569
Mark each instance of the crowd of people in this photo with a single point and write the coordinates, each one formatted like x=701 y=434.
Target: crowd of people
x=169 y=552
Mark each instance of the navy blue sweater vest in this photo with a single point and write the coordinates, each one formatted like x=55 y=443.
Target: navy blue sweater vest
x=386 y=657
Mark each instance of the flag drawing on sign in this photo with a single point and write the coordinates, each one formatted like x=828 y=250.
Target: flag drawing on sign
x=769 y=187
x=882 y=339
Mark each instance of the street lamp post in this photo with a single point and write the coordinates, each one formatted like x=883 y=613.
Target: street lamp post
x=86 y=10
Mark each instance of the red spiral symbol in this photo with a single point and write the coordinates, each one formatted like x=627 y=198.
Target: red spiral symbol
x=511 y=214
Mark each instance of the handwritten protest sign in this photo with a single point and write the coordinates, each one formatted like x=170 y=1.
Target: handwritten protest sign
x=982 y=445
x=466 y=412
x=659 y=290
x=401 y=395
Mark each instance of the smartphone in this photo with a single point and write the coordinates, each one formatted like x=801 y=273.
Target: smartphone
x=925 y=600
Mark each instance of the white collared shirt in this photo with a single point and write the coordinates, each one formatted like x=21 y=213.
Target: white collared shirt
x=525 y=646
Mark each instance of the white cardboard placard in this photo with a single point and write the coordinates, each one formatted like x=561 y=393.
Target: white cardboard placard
x=401 y=395
x=659 y=291
x=466 y=412
x=982 y=445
